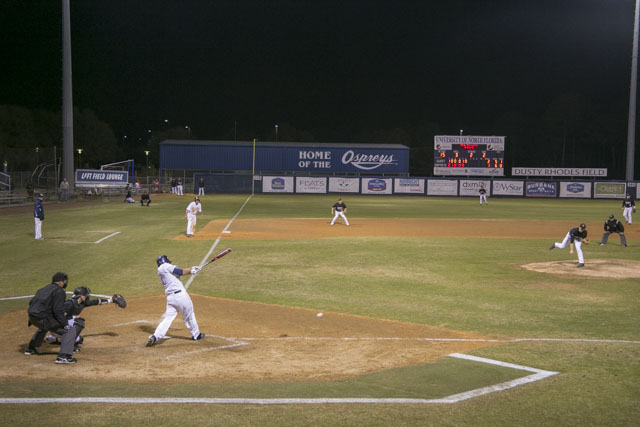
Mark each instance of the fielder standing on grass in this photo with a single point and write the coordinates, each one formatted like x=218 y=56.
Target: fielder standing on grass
x=339 y=209
x=38 y=215
x=193 y=209
x=483 y=195
x=178 y=301
x=628 y=208
x=575 y=236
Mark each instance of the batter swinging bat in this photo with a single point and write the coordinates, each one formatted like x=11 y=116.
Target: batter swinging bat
x=220 y=255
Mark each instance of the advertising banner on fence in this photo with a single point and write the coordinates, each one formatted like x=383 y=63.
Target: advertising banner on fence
x=344 y=185
x=575 y=189
x=101 y=178
x=508 y=188
x=577 y=172
x=442 y=187
x=609 y=190
x=470 y=187
x=376 y=186
x=408 y=185
x=277 y=184
x=541 y=189
x=307 y=184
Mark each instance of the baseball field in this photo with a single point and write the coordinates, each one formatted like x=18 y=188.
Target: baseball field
x=435 y=311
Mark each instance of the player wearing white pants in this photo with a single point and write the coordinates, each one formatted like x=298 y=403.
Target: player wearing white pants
x=483 y=195
x=575 y=236
x=178 y=301
x=193 y=209
x=38 y=216
x=339 y=209
x=627 y=208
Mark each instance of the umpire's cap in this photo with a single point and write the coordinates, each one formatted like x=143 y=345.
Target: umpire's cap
x=60 y=277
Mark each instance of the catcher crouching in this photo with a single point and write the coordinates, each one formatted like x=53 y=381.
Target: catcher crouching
x=80 y=299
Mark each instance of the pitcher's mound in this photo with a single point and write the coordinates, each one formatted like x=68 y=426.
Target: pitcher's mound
x=609 y=268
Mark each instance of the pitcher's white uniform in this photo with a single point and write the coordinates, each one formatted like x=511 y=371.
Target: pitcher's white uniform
x=574 y=237
x=178 y=300
x=193 y=209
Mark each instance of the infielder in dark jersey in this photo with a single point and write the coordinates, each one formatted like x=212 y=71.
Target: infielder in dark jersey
x=339 y=209
x=575 y=236
x=612 y=225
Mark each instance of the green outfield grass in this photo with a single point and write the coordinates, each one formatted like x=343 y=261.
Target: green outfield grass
x=466 y=284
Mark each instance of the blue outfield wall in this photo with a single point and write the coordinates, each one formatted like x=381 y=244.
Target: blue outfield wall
x=416 y=186
x=311 y=158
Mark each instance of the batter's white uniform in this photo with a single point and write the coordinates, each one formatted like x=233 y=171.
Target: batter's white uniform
x=178 y=300
x=193 y=209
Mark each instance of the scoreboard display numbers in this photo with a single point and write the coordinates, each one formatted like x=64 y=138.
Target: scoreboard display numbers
x=468 y=155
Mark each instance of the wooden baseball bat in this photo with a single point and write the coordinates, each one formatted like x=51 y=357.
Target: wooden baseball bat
x=220 y=255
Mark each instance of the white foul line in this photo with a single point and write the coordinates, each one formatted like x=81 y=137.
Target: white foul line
x=215 y=244
x=538 y=374
x=97 y=241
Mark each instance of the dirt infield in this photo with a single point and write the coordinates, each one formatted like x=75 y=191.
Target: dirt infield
x=313 y=228
x=247 y=341
x=251 y=341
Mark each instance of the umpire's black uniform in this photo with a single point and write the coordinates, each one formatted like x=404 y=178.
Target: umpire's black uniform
x=46 y=312
x=612 y=225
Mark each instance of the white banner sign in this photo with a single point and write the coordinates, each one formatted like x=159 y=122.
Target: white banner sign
x=442 y=187
x=344 y=185
x=305 y=184
x=596 y=173
x=376 y=186
x=575 y=189
x=277 y=184
x=508 y=188
x=408 y=185
x=470 y=187
x=468 y=171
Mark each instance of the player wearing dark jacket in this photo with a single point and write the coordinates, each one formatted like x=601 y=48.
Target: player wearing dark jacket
x=38 y=215
x=46 y=312
x=612 y=225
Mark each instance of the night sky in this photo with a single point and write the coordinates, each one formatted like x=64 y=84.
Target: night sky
x=333 y=68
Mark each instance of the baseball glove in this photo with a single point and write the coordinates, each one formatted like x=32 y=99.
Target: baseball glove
x=119 y=300
x=586 y=241
x=634 y=209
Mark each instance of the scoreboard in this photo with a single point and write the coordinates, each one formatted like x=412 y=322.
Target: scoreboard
x=468 y=155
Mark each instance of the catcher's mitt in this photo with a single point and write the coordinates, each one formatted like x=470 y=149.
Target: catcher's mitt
x=119 y=300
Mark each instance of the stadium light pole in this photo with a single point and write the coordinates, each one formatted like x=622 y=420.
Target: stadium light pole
x=146 y=153
x=631 y=129
x=276 y=133
x=79 y=150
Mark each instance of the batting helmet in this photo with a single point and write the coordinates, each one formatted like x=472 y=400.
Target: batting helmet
x=162 y=259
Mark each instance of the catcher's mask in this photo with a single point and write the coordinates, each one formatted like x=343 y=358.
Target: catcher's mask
x=162 y=259
x=60 y=277
x=82 y=290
